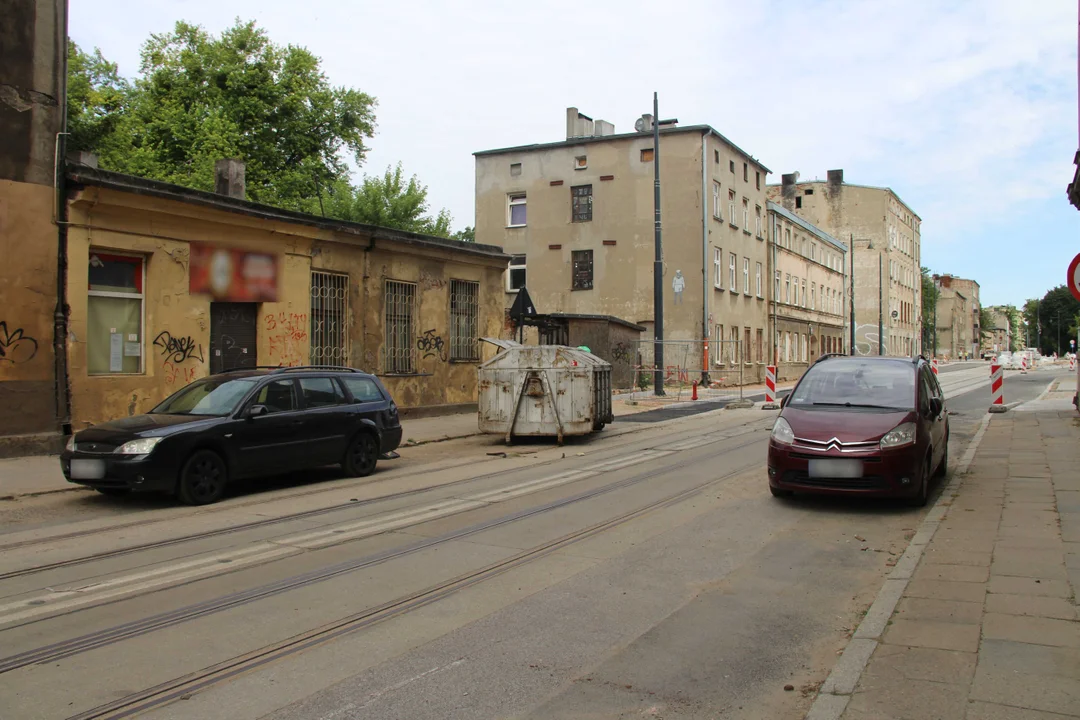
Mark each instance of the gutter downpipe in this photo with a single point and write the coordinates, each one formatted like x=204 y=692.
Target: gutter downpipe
x=704 y=261
x=772 y=285
x=61 y=380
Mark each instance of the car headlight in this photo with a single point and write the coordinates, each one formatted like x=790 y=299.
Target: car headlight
x=781 y=432
x=142 y=446
x=71 y=443
x=899 y=436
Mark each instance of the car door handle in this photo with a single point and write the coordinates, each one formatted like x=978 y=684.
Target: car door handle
x=297 y=423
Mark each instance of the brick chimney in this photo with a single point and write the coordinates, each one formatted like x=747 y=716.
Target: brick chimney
x=836 y=177
x=229 y=178
x=787 y=190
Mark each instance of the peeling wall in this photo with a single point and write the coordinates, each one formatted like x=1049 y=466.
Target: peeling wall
x=175 y=340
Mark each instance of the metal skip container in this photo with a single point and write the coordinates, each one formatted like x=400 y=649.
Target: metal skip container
x=543 y=390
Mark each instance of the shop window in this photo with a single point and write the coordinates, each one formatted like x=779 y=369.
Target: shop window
x=464 y=320
x=329 y=318
x=398 y=350
x=114 y=311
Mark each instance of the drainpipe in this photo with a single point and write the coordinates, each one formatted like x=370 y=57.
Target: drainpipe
x=60 y=312
x=772 y=284
x=704 y=261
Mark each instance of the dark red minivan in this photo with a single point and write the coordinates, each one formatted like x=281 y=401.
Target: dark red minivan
x=861 y=426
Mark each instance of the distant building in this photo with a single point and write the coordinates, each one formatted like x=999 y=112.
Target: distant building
x=999 y=336
x=577 y=218
x=970 y=290
x=884 y=235
x=808 y=298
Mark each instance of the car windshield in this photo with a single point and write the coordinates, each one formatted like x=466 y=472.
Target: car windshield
x=854 y=382
x=213 y=396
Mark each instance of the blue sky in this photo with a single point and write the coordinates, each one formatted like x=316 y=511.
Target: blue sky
x=967 y=109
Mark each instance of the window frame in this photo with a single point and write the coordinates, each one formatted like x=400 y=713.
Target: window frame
x=328 y=354
x=579 y=197
x=746 y=275
x=511 y=267
x=733 y=279
x=731 y=206
x=409 y=365
x=574 y=260
x=758 y=269
x=718 y=267
x=126 y=257
x=746 y=214
x=514 y=199
x=472 y=317
x=716 y=213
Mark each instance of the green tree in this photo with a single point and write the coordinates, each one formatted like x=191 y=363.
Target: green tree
x=387 y=200
x=1053 y=320
x=987 y=323
x=1015 y=327
x=929 y=311
x=466 y=235
x=202 y=97
x=96 y=98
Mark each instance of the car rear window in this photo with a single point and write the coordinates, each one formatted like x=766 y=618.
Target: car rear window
x=321 y=392
x=857 y=381
x=363 y=389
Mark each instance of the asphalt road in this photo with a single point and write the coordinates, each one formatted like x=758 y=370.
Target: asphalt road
x=645 y=572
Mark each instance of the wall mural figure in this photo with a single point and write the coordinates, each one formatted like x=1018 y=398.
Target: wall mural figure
x=678 y=284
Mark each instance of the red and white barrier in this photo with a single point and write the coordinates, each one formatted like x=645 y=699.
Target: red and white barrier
x=770 y=388
x=933 y=365
x=997 y=402
x=1072 y=363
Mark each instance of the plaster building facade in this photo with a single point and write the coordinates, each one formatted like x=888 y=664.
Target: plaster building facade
x=953 y=321
x=998 y=337
x=970 y=290
x=807 y=296
x=577 y=217
x=885 y=239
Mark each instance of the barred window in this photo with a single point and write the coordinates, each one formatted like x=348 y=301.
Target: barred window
x=329 y=318
x=398 y=348
x=583 y=269
x=581 y=199
x=464 y=320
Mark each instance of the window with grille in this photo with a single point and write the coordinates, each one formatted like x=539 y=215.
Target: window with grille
x=583 y=270
x=464 y=320
x=329 y=318
x=399 y=355
x=581 y=197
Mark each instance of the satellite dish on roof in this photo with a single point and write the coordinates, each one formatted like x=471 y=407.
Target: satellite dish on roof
x=644 y=123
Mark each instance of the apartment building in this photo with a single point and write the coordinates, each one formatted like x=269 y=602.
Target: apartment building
x=998 y=337
x=883 y=233
x=952 y=320
x=577 y=217
x=969 y=289
x=808 y=300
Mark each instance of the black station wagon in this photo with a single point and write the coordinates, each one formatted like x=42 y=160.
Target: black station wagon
x=239 y=424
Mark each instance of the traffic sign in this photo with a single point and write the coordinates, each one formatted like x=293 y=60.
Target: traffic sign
x=1074 y=277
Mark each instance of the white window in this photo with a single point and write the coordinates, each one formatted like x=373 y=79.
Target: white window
x=813 y=251
x=746 y=276
x=776 y=287
x=716 y=201
x=813 y=296
x=114 y=321
x=515 y=210
x=787 y=289
x=796 y=300
x=733 y=283
x=757 y=275
x=746 y=215
x=787 y=347
x=731 y=206
x=515 y=275
x=757 y=220
x=804 y=292
x=718 y=268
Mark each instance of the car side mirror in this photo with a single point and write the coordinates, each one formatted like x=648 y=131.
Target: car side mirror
x=936 y=406
x=257 y=410
x=783 y=400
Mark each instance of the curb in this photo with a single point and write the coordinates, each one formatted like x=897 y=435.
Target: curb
x=835 y=693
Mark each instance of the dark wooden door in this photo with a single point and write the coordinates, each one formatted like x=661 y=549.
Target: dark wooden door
x=233 y=336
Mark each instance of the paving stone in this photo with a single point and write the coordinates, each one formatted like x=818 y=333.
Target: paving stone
x=1028 y=586
x=956 y=611
x=1050 y=694
x=945 y=555
x=991 y=711
x=932 y=634
x=1011 y=656
x=918 y=663
x=1037 y=630
x=1032 y=605
x=1022 y=543
x=947 y=590
x=886 y=699
x=953 y=573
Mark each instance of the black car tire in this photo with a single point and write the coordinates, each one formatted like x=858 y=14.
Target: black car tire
x=943 y=467
x=202 y=479
x=923 y=494
x=776 y=492
x=113 y=492
x=361 y=456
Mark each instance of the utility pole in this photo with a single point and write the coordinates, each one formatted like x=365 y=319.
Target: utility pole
x=658 y=262
x=880 y=317
x=851 y=250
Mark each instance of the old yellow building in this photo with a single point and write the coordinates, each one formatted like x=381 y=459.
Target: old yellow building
x=577 y=217
x=885 y=238
x=808 y=297
x=409 y=308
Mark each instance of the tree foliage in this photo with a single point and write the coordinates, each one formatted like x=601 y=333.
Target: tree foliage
x=929 y=310
x=1052 y=320
x=96 y=98
x=387 y=200
x=987 y=323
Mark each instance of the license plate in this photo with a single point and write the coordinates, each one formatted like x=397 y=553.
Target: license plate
x=836 y=468
x=87 y=469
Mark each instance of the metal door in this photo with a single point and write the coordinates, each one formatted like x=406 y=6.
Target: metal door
x=232 y=336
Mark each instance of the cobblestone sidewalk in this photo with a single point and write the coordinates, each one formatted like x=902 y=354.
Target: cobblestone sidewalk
x=987 y=627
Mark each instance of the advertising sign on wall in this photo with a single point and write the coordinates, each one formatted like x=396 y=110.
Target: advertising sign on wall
x=233 y=275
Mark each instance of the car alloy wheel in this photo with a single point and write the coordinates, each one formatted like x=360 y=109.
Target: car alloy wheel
x=202 y=481
x=362 y=455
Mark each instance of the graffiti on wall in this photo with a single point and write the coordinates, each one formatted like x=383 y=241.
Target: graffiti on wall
x=431 y=345
x=176 y=349
x=431 y=282
x=16 y=346
x=866 y=339
x=621 y=352
x=287 y=335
